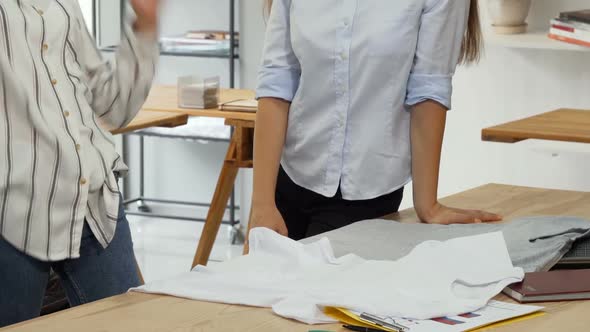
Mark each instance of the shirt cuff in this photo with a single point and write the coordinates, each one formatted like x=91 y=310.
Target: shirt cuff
x=277 y=83
x=438 y=88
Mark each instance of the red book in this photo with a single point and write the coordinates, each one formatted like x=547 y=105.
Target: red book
x=560 y=285
x=576 y=26
x=563 y=27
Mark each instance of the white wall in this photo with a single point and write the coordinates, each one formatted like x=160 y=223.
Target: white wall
x=510 y=84
x=86 y=6
x=506 y=85
x=252 y=34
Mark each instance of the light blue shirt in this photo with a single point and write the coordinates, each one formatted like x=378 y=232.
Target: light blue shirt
x=351 y=69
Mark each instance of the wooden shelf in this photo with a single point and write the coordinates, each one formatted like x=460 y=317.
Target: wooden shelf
x=536 y=40
x=564 y=125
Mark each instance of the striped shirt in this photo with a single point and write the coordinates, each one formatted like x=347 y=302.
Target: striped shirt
x=57 y=96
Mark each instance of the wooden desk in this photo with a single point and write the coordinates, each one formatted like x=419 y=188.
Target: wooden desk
x=143 y=312
x=165 y=99
x=239 y=154
x=560 y=125
x=148 y=119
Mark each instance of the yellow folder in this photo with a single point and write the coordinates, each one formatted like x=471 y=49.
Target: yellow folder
x=347 y=317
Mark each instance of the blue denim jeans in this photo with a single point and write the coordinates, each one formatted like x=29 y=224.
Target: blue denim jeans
x=97 y=274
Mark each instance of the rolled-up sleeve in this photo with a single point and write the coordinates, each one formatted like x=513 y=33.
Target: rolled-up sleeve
x=280 y=70
x=442 y=28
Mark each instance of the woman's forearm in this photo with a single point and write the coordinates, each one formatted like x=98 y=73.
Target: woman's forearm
x=269 y=139
x=427 y=131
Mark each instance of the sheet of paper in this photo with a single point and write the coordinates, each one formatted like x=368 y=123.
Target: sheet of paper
x=494 y=312
x=243 y=103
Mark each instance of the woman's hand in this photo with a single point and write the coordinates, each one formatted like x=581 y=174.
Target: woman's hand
x=443 y=215
x=267 y=216
x=147 y=14
x=269 y=139
x=427 y=128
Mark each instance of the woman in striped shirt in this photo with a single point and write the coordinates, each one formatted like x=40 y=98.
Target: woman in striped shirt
x=59 y=199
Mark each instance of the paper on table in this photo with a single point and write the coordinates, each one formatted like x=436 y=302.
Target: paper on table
x=495 y=313
x=243 y=105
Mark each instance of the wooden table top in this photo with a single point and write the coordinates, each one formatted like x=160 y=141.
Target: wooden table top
x=165 y=99
x=145 y=312
x=561 y=125
x=146 y=119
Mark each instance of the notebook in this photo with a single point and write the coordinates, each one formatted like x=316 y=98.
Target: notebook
x=578 y=256
x=240 y=105
x=559 y=285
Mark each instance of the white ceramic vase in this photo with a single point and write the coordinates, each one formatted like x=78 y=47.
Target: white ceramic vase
x=509 y=16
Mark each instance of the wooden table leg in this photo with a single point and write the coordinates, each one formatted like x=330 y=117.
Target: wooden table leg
x=223 y=190
x=139 y=274
x=239 y=155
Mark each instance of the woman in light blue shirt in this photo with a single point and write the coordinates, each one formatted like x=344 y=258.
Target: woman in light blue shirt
x=353 y=99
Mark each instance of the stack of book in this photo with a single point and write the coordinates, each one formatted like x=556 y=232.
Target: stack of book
x=572 y=27
x=198 y=41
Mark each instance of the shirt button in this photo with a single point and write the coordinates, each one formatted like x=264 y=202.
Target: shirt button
x=83 y=181
x=78 y=147
x=66 y=113
x=45 y=47
x=343 y=55
x=54 y=81
x=346 y=22
x=40 y=11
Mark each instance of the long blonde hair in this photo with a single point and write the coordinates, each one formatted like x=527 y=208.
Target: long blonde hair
x=471 y=47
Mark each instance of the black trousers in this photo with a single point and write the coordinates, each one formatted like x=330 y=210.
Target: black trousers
x=307 y=213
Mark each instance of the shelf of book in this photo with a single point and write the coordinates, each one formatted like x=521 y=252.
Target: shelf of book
x=222 y=54
x=569 y=31
x=538 y=40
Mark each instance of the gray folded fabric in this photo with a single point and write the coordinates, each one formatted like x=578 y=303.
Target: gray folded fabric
x=535 y=244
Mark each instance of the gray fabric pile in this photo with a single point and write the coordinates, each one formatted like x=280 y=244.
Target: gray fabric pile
x=535 y=244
